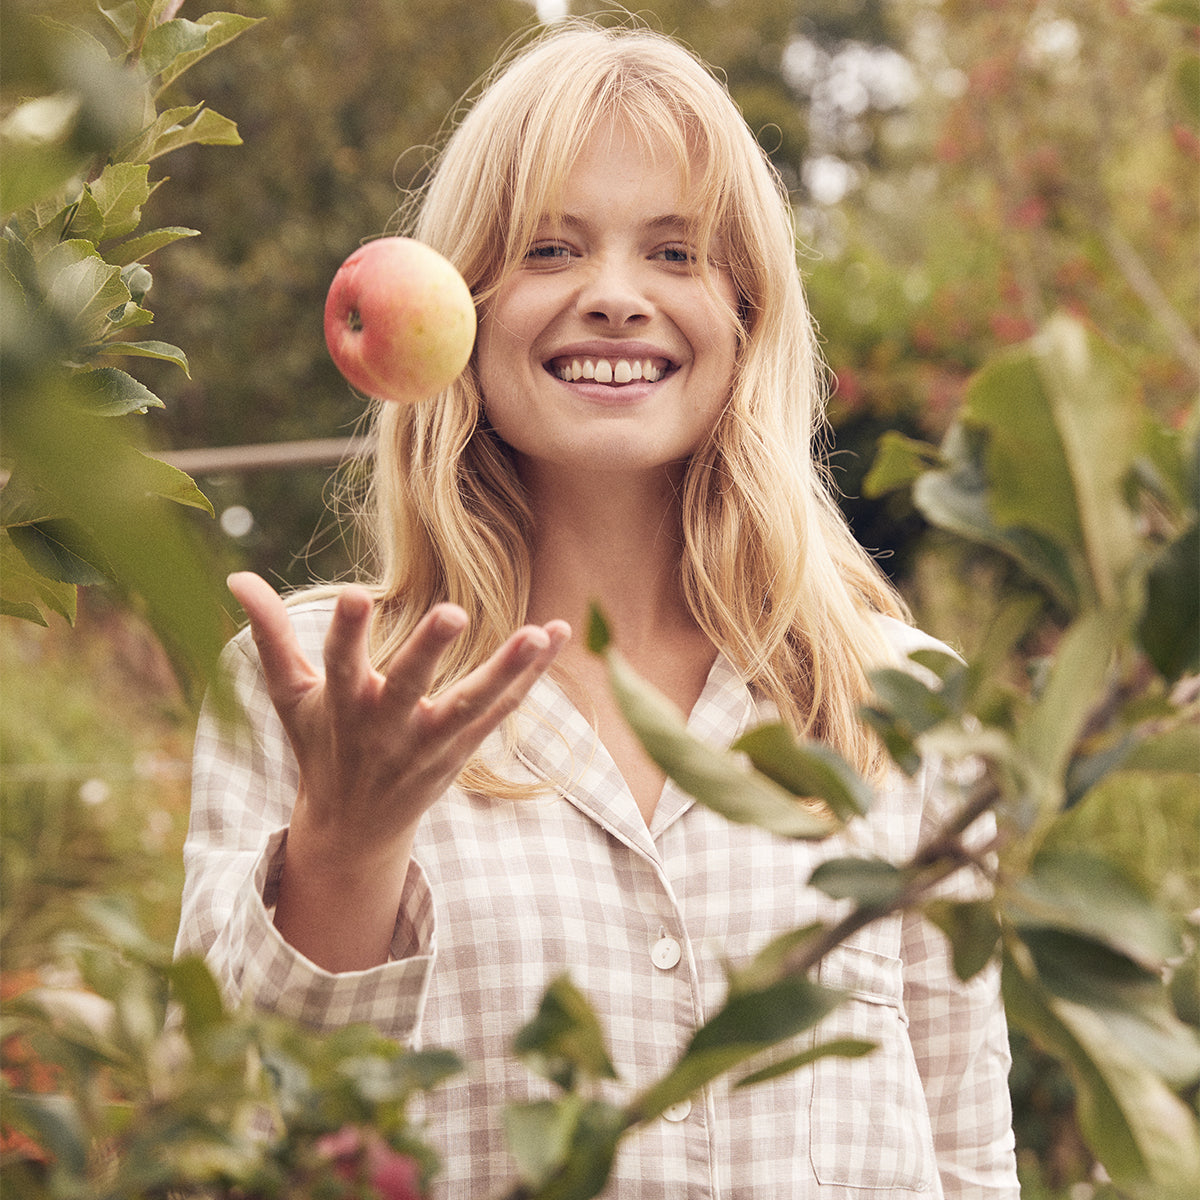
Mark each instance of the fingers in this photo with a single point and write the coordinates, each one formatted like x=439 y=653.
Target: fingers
x=411 y=670
x=346 y=651
x=479 y=702
x=286 y=670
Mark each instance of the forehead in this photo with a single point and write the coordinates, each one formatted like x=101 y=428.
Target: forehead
x=646 y=173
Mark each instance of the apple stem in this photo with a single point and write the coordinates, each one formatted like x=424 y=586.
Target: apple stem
x=354 y=320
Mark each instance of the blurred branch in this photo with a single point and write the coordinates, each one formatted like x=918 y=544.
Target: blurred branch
x=1137 y=274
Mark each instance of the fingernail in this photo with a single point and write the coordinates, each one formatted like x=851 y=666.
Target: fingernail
x=449 y=621
x=534 y=642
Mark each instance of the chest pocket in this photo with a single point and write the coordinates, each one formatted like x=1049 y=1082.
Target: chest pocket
x=869 y=1125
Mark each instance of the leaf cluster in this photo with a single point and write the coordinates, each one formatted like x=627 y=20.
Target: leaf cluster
x=160 y=1090
x=85 y=118
x=1054 y=463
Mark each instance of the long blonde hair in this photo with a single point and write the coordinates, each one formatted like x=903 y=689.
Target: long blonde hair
x=770 y=569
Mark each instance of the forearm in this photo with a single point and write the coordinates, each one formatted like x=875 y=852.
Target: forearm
x=335 y=906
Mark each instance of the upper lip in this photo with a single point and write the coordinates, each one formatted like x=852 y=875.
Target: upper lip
x=614 y=351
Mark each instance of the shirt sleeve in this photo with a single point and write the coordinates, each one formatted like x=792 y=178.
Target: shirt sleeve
x=959 y=1036
x=244 y=783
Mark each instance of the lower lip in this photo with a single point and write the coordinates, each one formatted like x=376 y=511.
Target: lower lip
x=609 y=396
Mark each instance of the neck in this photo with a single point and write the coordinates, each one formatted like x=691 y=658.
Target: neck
x=614 y=541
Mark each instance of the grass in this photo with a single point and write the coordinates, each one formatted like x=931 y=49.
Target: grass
x=94 y=763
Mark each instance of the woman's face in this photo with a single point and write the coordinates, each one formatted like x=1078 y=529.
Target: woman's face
x=604 y=350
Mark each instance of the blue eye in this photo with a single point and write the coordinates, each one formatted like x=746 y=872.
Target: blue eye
x=678 y=254
x=549 y=251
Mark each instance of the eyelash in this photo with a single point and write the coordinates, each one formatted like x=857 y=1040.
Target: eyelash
x=552 y=251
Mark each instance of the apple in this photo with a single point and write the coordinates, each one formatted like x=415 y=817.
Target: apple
x=399 y=320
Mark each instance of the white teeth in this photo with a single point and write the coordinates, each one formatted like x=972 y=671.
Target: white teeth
x=602 y=370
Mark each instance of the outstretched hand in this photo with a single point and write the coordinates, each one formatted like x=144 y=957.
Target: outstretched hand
x=373 y=748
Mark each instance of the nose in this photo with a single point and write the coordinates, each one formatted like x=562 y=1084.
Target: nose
x=612 y=293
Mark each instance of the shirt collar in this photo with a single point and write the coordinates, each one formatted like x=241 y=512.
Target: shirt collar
x=558 y=744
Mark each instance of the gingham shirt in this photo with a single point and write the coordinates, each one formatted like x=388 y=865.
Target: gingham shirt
x=502 y=896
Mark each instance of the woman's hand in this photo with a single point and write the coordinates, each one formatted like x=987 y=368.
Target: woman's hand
x=374 y=751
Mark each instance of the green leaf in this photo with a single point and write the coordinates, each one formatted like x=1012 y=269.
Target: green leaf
x=840 y=1048
x=26 y=593
x=1173 y=749
x=123 y=18
x=599 y=636
x=1143 y=1134
x=207 y=128
x=770 y=964
x=196 y=992
x=915 y=706
x=157 y=478
x=54 y=1122
x=897 y=741
x=129 y=316
x=39 y=156
x=109 y=392
x=82 y=287
x=1169 y=629
x=1050 y=728
x=539 y=1135
x=869 y=882
x=86 y=219
x=972 y=929
x=590 y=1159
x=170 y=41
x=1063 y=425
x=97 y=479
x=807 y=769
x=565 y=1037
x=899 y=461
x=138 y=248
x=748 y=1023
x=208 y=33
x=119 y=194
x=1085 y=894
x=148 y=349
x=717 y=780
x=1133 y=1003
x=59 y=550
x=174 y=128
x=956 y=498
x=1134 y=817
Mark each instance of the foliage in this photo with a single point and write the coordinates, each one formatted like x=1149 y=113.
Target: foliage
x=1048 y=159
x=82 y=128
x=146 y=1101
x=1071 y=461
x=1094 y=955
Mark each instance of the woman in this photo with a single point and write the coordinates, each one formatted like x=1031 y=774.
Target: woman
x=427 y=816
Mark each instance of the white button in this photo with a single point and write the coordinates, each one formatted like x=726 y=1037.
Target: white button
x=677 y=1112
x=666 y=953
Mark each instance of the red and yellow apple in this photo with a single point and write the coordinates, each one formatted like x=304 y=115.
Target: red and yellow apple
x=399 y=320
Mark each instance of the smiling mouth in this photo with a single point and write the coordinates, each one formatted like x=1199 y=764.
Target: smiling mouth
x=615 y=371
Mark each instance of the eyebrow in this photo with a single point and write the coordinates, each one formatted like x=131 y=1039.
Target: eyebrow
x=666 y=222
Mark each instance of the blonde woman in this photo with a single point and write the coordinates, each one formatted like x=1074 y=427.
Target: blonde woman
x=434 y=807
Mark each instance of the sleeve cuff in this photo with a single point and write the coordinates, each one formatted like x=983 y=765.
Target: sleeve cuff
x=279 y=978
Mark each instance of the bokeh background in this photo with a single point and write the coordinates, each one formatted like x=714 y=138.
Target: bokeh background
x=960 y=169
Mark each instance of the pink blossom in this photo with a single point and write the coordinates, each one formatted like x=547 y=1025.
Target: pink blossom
x=356 y=1152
